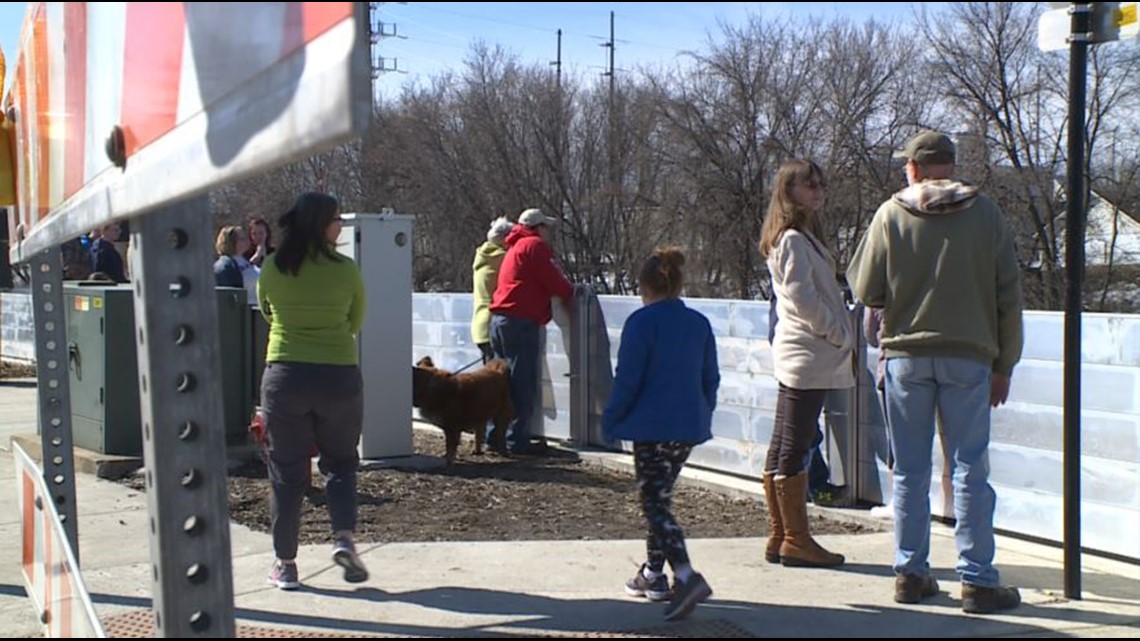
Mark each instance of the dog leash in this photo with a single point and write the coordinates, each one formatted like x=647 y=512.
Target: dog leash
x=468 y=366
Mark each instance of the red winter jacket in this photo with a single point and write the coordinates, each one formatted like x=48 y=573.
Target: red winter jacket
x=528 y=278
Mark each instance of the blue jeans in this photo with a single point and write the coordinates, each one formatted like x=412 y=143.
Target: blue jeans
x=819 y=475
x=518 y=341
x=836 y=414
x=960 y=390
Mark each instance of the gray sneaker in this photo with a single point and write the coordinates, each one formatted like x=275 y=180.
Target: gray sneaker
x=344 y=555
x=654 y=590
x=686 y=597
x=284 y=576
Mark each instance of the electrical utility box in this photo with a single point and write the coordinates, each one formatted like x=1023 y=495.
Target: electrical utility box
x=381 y=245
x=102 y=363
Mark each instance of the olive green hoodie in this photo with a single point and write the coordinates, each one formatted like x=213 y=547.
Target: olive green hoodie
x=939 y=259
x=488 y=258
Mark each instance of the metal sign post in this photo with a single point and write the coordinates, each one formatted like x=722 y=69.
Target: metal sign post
x=52 y=355
x=184 y=442
x=1075 y=26
x=1074 y=270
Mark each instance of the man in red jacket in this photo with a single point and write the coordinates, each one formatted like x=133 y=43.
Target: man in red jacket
x=529 y=279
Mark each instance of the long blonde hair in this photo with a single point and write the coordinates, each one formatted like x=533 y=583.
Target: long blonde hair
x=783 y=212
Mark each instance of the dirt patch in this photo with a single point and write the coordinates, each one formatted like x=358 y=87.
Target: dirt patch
x=489 y=498
x=16 y=370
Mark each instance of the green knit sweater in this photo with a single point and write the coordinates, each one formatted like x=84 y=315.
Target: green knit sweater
x=314 y=316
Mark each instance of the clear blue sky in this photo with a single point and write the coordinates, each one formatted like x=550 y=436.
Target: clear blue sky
x=439 y=34
x=11 y=17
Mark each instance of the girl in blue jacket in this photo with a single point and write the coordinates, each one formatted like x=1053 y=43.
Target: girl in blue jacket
x=663 y=399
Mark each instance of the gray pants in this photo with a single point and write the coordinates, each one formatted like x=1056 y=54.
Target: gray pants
x=311 y=409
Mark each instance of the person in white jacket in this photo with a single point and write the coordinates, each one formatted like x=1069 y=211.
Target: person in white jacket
x=811 y=353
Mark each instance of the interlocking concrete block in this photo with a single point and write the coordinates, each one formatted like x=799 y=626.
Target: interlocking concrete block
x=1103 y=481
x=428 y=307
x=722 y=454
x=454 y=334
x=761 y=423
x=735 y=389
x=749 y=319
x=425 y=333
x=760 y=357
x=717 y=311
x=1108 y=435
x=459 y=307
x=733 y=354
x=731 y=422
x=617 y=309
x=1109 y=388
x=1038 y=514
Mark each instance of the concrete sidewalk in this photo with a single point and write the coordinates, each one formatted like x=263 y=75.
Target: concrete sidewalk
x=571 y=587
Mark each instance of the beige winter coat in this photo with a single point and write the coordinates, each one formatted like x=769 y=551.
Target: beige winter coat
x=814 y=340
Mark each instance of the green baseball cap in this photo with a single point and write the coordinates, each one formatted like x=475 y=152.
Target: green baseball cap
x=928 y=148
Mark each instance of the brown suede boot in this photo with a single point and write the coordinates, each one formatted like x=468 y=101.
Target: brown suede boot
x=799 y=549
x=775 y=520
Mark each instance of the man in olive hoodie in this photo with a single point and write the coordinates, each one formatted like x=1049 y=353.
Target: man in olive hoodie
x=485 y=272
x=939 y=259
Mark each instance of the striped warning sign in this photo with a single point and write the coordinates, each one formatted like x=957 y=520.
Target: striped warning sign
x=51 y=575
x=130 y=105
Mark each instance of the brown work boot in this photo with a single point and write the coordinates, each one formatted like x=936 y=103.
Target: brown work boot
x=979 y=600
x=799 y=549
x=910 y=588
x=775 y=521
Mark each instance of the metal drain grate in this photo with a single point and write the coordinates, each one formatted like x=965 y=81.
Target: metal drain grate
x=140 y=625
x=690 y=629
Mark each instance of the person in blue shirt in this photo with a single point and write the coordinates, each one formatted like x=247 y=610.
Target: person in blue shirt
x=105 y=257
x=663 y=399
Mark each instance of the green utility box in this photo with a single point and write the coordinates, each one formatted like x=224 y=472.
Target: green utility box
x=103 y=366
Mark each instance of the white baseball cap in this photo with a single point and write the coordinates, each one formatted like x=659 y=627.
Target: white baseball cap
x=500 y=227
x=534 y=217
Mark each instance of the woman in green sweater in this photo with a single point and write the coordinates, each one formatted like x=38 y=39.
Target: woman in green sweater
x=311 y=392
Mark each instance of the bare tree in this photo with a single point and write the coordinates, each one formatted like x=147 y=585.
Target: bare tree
x=686 y=155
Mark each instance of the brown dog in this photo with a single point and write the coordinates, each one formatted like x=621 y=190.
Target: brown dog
x=465 y=402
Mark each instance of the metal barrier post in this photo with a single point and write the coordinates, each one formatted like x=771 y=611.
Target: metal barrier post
x=580 y=367
x=856 y=413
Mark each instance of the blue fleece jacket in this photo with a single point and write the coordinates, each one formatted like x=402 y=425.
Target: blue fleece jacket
x=667 y=377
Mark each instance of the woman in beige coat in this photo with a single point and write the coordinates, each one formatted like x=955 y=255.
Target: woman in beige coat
x=811 y=353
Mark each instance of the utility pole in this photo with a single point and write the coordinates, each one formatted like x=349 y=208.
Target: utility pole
x=557 y=64
x=611 y=145
x=560 y=134
x=379 y=30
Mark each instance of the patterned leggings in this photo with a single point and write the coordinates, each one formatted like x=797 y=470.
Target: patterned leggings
x=658 y=465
